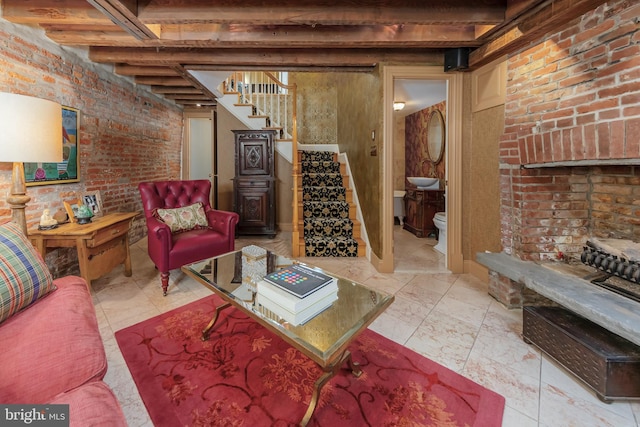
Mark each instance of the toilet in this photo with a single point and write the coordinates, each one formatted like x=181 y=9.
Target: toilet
x=398 y=205
x=440 y=221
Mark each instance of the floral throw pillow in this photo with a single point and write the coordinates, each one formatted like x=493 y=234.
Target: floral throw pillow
x=24 y=277
x=183 y=219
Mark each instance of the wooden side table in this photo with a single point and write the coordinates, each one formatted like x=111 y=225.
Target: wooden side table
x=102 y=244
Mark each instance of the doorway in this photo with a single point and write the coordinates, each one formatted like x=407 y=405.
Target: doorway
x=453 y=184
x=199 y=150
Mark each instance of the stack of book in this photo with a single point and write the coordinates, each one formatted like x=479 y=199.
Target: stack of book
x=297 y=293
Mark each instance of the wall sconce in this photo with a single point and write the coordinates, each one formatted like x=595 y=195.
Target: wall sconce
x=31 y=132
x=398 y=105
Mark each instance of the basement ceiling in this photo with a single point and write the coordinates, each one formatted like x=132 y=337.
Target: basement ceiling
x=158 y=42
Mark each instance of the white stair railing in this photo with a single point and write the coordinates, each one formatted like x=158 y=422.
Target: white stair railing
x=269 y=97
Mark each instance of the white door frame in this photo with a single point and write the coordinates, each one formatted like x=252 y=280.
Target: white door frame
x=453 y=186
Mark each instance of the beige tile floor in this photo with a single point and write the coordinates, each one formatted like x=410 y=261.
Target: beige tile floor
x=446 y=317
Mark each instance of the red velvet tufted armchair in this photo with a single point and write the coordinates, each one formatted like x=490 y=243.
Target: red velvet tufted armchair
x=170 y=250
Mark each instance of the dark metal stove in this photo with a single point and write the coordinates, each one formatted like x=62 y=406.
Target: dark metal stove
x=620 y=273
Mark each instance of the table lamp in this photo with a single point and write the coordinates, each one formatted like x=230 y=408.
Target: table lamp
x=31 y=130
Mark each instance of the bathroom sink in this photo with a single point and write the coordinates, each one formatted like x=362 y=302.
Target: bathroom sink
x=420 y=181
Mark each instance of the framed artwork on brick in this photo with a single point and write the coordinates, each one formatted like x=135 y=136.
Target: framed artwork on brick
x=69 y=169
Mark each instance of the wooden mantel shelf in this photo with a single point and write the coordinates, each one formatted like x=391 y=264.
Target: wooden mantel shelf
x=614 y=312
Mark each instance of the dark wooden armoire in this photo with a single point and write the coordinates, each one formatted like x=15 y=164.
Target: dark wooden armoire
x=254 y=195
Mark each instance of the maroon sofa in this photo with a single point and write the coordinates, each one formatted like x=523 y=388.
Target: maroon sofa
x=52 y=353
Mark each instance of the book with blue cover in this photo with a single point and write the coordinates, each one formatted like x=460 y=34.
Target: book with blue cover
x=298 y=280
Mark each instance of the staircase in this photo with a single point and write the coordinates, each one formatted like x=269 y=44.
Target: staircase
x=326 y=208
x=323 y=205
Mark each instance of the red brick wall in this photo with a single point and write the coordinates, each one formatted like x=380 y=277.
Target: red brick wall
x=127 y=134
x=573 y=101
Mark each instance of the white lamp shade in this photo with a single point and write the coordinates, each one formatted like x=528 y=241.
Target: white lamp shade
x=31 y=129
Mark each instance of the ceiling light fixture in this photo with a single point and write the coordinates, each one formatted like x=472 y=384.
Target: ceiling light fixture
x=398 y=105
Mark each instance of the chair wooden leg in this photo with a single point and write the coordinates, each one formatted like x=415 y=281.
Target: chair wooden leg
x=165 y=282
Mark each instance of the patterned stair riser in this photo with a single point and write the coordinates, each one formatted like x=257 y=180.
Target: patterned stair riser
x=316 y=227
x=324 y=194
x=321 y=180
x=328 y=231
x=317 y=156
x=325 y=210
x=320 y=167
x=336 y=247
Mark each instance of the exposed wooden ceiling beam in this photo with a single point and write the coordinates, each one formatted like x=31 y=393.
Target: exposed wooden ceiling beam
x=49 y=12
x=137 y=70
x=192 y=97
x=220 y=36
x=88 y=35
x=233 y=35
x=549 y=15
x=163 y=81
x=124 y=14
x=306 y=12
x=261 y=57
x=175 y=89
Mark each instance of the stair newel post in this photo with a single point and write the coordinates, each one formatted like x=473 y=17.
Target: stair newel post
x=295 y=238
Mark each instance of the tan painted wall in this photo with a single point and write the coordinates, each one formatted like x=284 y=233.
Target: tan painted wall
x=481 y=190
x=360 y=112
x=226 y=156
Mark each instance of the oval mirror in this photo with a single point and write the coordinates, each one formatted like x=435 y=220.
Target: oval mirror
x=435 y=136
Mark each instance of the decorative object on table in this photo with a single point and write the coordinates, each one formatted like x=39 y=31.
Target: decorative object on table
x=66 y=168
x=93 y=200
x=299 y=280
x=47 y=222
x=71 y=207
x=257 y=379
x=31 y=132
x=292 y=309
x=61 y=216
x=297 y=293
x=84 y=214
x=254 y=265
x=294 y=312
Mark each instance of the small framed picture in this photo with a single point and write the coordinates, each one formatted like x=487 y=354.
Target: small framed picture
x=71 y=207
x=94 y=201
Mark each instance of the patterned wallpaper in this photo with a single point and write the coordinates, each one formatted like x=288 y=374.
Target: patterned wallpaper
x=417 y=163
x=317 y=107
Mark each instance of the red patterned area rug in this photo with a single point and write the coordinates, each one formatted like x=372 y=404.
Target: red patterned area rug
x=246 y=376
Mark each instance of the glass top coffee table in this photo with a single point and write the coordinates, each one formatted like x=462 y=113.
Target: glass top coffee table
x=324 y=338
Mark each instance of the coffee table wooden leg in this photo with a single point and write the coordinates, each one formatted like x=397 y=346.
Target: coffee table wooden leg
x=207 y=331
x=329 y=372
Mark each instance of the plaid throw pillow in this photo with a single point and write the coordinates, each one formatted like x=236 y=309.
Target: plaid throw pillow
x=24 y=277
x=183 y=219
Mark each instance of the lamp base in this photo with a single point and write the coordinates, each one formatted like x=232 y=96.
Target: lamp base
x=18 y=198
